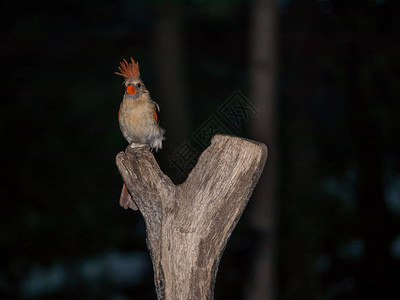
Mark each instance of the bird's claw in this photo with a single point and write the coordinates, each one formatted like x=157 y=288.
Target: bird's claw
x=136 y=145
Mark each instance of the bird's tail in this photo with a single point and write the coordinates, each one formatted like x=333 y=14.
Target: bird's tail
x=125 y=199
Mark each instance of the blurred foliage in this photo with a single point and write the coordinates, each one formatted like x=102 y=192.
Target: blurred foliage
x=339 y=106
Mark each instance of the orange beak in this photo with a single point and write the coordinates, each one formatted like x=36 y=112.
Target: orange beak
x=130 y=90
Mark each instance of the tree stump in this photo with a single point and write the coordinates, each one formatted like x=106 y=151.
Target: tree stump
x=188 y=225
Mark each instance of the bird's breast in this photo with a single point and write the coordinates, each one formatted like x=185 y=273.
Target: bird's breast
x=134 y=120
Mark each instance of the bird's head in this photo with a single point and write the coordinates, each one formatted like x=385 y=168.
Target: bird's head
x=134 y=87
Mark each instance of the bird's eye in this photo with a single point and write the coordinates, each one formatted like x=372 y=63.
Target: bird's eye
x=138 y=85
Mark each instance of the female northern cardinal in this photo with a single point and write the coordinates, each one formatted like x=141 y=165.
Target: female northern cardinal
x=137 y=117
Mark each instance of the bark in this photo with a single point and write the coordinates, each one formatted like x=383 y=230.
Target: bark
x=263 y=94
x=188 y=225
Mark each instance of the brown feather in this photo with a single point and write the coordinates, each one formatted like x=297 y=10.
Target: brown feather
x=128 y=70
x=125 y=199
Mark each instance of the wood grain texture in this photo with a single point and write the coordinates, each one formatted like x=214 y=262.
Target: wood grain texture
x=188 y=225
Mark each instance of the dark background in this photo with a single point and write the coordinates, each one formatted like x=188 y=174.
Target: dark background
x=63 y=234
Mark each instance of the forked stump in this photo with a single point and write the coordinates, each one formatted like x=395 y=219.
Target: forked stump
x=188 y=225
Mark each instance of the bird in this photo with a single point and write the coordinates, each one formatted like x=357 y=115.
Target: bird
x=137 y=117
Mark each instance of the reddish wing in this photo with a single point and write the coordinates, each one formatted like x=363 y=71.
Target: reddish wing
x=155 y=114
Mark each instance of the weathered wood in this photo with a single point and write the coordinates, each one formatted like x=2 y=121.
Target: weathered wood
x=188 y=225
